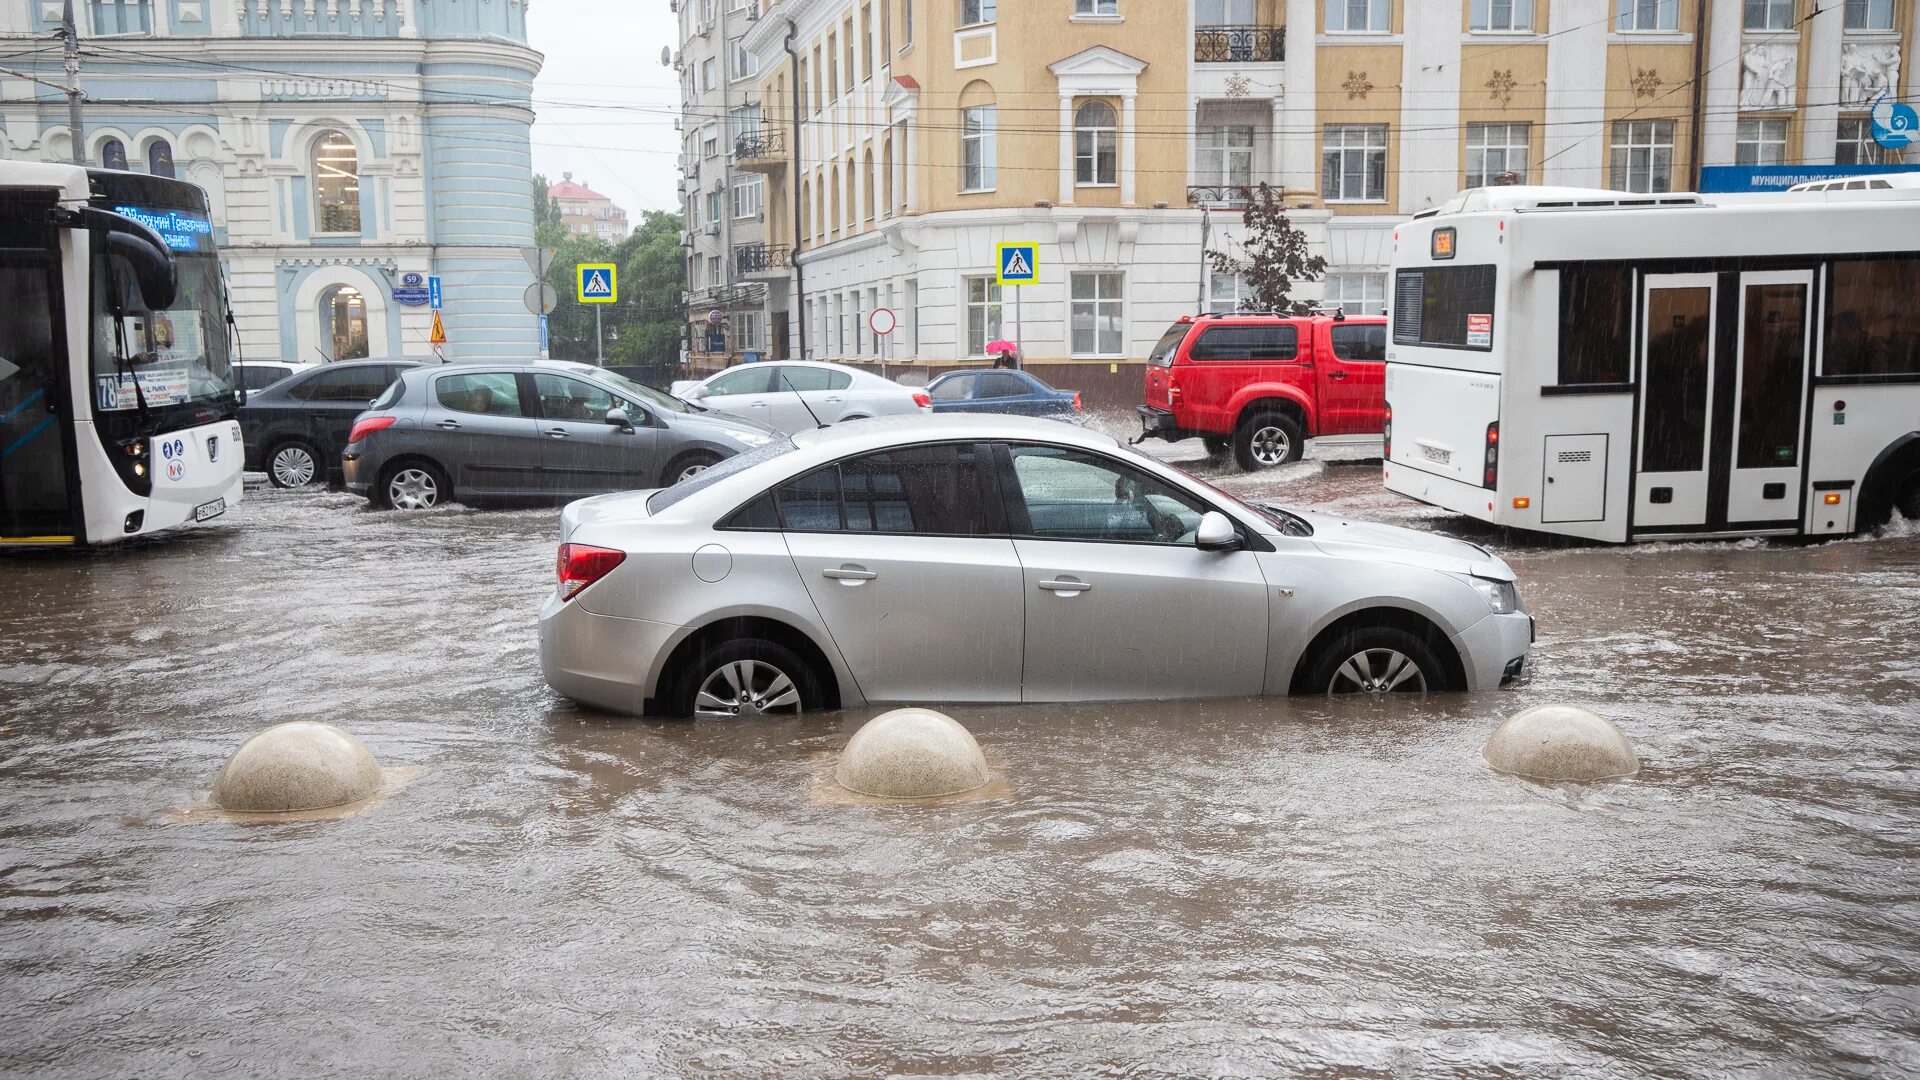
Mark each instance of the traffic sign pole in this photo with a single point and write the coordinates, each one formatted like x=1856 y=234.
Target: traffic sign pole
x=599 y=340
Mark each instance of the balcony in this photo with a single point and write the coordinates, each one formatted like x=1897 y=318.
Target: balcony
x=1239 y=44
x=761 y=150
x=1231 y=195
x=751 y=259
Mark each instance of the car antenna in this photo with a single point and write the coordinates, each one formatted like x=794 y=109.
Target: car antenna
x=817 y=422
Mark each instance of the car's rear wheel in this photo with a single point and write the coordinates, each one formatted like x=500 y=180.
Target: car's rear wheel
x=413 y=485
x=744 y=677
x=293 y=464
x=1266 y=439
x=688 y=465
x=1377 y=660
x=1217 y=444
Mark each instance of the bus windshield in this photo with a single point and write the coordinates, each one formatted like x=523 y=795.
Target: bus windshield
x=174 y=362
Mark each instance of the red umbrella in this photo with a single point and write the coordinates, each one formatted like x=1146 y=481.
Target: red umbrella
x=1001 y=345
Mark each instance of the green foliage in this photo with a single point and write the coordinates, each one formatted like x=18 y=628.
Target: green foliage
x=548 y=230
x=1276 y=256
x=646 y=326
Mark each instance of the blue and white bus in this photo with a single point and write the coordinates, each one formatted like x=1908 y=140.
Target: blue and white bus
x=117 y=397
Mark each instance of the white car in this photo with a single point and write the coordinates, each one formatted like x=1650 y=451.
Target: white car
x=797 y=395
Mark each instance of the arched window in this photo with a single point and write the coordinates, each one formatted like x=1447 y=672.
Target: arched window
x=1096 y=141
x=833 y=217
x=113 y=154
x=343 y=322
x=336 y=183
x=979 y=120
x=160 y=157
x=886 y=177
x=853 y=208
x=866 y=185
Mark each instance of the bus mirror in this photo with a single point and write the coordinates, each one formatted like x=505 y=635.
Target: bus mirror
x=144 y=253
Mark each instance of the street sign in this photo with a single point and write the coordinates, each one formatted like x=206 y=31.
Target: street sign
x=883 y=321
x=598 y=283
x=1016 y=264
x=412 y=290
x=546 y=340
x=539 y=259
x=439 y=334
x=433 y=292
x=716 y=317
x=542 y=298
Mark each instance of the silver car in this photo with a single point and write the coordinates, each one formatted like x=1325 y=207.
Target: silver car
x=794 y=395
x=999 y=559
x=478 y=431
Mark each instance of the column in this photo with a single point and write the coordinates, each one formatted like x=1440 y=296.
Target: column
x=1126 y=149
x=1066 y=149
x=907 y=160
x=1819 y=90
x=1279 y=164
x=1294 y=154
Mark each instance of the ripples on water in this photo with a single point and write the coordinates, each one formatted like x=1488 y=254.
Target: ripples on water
x=1218 y=888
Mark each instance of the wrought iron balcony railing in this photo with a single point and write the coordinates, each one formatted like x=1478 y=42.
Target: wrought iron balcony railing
x=766 y=142
x=1239 y=44
x=1219 y=195
x=759 y=258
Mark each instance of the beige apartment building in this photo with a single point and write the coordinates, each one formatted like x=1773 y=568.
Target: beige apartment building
x=905 y=139
x=586 y=212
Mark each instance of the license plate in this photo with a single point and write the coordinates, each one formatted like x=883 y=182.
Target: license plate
x=1437 y=455
x=207 y=511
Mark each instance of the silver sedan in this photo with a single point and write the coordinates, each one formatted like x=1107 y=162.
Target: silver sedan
x=999 y=559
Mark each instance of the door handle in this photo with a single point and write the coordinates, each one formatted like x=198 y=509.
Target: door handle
x=1337 y=375
x=849 y=573
x=1066 y=586
x=450 y=425
x=833 y=400
x=558 y=433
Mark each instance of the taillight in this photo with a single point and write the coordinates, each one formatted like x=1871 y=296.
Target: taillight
x=368 y=425
x=580 y=565
x=1076 y=401
x=1173 y=388
x=1493 y=455
x=1386 y=436
x=922 y=400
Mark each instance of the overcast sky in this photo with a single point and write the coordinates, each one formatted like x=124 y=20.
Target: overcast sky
x=605 y=105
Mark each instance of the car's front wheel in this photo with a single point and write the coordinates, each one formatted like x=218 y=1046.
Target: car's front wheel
x=293 y=464
x=413 y=485
x=744 y=677
x=1377 y=661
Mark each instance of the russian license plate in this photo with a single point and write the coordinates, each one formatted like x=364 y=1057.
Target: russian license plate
x=207 y=511
x=1437 y=455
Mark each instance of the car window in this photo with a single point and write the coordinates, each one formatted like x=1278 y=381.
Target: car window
x=562 y=398
x=1001 y=385
x=787 y=377
x=1076 y=495
x=927 y=490
x=839 y=380
x=1168 y=345
x=953 y=388
x=494 y=393
x=746 y=380
x=659 y=501
x=361 y=384
x=1366 y=342
x=259 y=378
x=1247 y=343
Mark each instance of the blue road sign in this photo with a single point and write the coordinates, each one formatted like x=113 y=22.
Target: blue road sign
x=1016 y=264
x=433 y=292
x=598 y=283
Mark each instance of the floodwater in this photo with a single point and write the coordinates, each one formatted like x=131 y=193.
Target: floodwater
x=1266 y=888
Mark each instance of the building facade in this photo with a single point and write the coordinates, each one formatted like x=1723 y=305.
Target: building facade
x=586 y=212
x=905 y=139
x=345 y=145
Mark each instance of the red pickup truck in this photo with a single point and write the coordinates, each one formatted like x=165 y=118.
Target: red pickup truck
x=1263 y=384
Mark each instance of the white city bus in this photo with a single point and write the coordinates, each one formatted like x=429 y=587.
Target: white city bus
x=117 y=400
x=1629 y=367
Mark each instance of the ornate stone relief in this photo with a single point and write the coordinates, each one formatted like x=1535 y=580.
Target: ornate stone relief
x=1767 y=77
x=1867 y=70
x=1500 y=86
x=1357 y=86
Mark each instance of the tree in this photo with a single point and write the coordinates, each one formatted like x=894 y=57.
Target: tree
x=1276 y=256
x=644 y=328
x=548 y=230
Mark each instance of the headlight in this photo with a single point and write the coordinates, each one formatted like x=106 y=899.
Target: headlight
x=748 y=438
x=1501 y=596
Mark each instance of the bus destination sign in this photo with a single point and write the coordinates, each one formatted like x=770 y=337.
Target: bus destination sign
x=183 y=230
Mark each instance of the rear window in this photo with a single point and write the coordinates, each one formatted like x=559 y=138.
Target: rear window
x=493 y=393
x=1360 y=342
x=259 y=378
x=1269 y=342
x=1169 y=343
x=660 y=500
x=1446 y=306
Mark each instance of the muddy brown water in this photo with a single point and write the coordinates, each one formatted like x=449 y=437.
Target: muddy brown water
x=1234 y=888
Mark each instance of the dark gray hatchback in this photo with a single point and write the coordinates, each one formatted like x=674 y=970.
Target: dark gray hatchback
x=536 y=430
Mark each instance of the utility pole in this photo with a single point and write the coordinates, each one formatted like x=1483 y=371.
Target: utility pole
x=75 y=125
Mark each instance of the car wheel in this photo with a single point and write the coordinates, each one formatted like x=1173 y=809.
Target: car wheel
x=292 y=464
x=1377 y=660
x=1907 y=500
x=1267 y=439
x=414 y=485
x=744 y=677
x=687 y=465
x=1217 y=444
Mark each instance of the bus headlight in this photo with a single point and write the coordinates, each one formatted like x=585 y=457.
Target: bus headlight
x=1501 y=596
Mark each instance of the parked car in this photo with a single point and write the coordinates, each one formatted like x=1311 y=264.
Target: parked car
x=794 y=395
x=1263 y=384
x=295 y=429
x=1011 y=393
x=260 y=374
x=985 y=558
x=479 y=431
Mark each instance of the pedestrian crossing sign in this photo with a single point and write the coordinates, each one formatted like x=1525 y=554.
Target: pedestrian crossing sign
x=1016 y=264
x=599 y=283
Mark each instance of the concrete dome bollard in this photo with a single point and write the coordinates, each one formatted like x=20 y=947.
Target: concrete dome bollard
x=1561 y=742
x=297 y=766
x=912 y=754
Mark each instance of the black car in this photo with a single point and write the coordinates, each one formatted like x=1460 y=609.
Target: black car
x=295 y=429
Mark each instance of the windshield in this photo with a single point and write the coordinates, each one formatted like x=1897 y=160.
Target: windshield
x=168 y=369
x=1169 y=343
x=647 y=394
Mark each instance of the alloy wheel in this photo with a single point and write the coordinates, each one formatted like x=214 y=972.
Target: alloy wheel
x=691 y=470
x=413 y=489
x=293 y=466
x=1378 y=671
x=1271 y=445
x=746 y=688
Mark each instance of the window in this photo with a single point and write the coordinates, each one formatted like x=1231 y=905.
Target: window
x=976 y=12
x=1225 y=12
x=1353 y=16
x=976 y=148
x=716 y=270
x=562 y=398
x=793 y=377
x=1168 y=346
x=1074 y=495
x=492 y=393
x=1856 y=146
x=1642 y=156
x=1226 y=155
x=1270 y=342
x=1496 y=153
x=1225 y=292
x=1001 y=384
x=747 y=195
x=1095 y=315
x=1354 y=163
x=983 y=314
x=1761 y=142
x=752 y=379
x=1356 y=294
x=1449 y=306
x=708 y=74
x=1096 y=7
x=743 y=122
x=952 y=388
x=1646 y=15
x=906 y=25
x=1870 y=327
x=113 y=155
x=1360 y=342
x=926 y=490
x=1869 y=14
x=715 y=205
x=160 y=158
x=1096 y=142
x=343 y=317
x=1501 y=15
x=747 y=329
x=336 y=183
x=741 y=62
x=710 y=143
x=1768 y=14
x=358 y=384
x=261 y=376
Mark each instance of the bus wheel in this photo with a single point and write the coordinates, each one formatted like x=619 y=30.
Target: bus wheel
x=1266 y=439
x=292 y=464
x=1906 y=501
x=414 y=485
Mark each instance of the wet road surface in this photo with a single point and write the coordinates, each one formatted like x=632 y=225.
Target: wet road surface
x=1238 y=888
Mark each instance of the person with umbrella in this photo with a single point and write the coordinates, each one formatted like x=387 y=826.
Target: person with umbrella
x=1006 y=353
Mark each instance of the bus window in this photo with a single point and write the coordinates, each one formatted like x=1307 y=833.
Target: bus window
x=1675 y=439
x=1448 y=306
x=1871 y=329
x=1596 y=332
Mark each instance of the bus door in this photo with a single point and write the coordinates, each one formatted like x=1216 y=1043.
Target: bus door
x=1774 y=348
x=36 y=502
x=1676 y=391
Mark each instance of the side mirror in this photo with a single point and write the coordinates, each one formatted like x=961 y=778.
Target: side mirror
x=695 y=393
x=620 y=418
x=1216 y=533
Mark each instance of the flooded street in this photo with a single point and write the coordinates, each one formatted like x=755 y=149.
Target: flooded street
x=1232 y=888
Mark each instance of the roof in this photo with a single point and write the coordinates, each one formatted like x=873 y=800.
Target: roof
x=854 y=435
x=567 y=189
